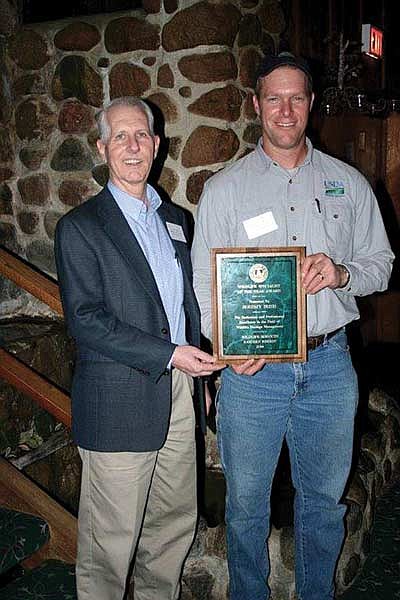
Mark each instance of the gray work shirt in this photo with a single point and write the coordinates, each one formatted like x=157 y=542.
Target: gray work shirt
x=325 y=205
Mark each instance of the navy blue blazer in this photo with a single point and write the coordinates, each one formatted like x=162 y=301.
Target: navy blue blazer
x=121 y=389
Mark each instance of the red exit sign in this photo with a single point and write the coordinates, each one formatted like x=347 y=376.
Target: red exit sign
x=372 y=41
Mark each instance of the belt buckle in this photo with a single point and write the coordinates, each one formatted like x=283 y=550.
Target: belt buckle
x=314 y=342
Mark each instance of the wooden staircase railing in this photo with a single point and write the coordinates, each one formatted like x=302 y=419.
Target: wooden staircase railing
x=34 y=282
x=16 y=490
x=20 y=493
x=23 y=378
x=29 y=382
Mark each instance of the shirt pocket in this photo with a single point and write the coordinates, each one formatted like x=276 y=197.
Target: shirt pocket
x=335 y=222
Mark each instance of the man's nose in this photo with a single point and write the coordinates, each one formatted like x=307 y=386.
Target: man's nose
x=133 y=143
x=286 y=107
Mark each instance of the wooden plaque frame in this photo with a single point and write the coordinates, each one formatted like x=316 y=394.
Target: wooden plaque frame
x=256 y=326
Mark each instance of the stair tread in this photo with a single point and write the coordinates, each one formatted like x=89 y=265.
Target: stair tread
x=21 y=535
x=53 y=579
x=17 y=492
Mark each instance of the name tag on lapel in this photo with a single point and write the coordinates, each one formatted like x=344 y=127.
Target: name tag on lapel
x=176 y=232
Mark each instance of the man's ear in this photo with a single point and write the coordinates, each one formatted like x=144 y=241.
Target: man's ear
x=101 y=147
x=312 y=100
x=256 y=104
x=156 y=144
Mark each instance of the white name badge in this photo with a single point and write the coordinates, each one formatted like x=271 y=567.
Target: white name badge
x=259 y=225
x=176 y=232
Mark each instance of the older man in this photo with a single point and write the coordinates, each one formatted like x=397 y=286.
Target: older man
x=286 y=193
x=125 y=277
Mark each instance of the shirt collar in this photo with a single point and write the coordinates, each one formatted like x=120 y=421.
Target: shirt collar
x=134 y=207
x=266 y=161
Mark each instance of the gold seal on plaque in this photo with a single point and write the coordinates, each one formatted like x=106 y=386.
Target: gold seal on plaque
x=258 y=273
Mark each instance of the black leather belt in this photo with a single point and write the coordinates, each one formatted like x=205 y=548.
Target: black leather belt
x=314 y=342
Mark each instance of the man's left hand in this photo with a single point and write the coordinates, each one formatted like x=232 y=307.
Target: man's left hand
x=319 y=271
x=194 y=362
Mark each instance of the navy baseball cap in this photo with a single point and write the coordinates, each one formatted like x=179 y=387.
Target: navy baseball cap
x=284 y=59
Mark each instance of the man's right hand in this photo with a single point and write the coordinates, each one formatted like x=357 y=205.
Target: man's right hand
x=194 y=362
x=249 y=367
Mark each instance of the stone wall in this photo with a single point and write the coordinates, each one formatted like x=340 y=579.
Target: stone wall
x=194 y=61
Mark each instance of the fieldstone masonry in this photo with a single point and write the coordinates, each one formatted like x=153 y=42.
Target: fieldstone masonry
x=193 y=60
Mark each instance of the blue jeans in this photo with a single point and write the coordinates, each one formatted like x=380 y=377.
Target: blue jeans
x=312 y=405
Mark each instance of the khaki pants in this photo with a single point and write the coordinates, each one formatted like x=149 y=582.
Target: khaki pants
x=141 y=506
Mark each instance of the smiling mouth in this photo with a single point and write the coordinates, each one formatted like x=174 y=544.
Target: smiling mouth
x=132 y=161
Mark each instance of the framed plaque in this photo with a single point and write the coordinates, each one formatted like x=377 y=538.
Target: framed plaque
x=258 y=304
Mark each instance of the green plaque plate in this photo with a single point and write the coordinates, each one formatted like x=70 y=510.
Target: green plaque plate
x=258 y=304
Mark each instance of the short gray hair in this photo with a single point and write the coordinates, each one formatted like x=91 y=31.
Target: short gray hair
x=102 y=116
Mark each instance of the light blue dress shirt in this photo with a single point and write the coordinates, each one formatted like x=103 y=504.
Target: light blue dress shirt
x=159 y=251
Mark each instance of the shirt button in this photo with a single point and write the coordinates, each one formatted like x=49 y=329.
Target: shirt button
x=166 y=372
x=290 y=180
x=294 y=237
x=164 y=331
x=335 y=216
x=292 y=208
